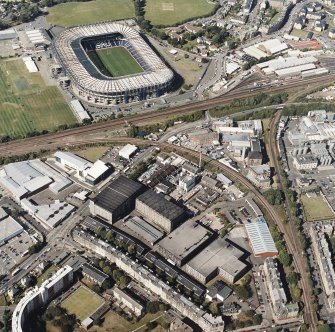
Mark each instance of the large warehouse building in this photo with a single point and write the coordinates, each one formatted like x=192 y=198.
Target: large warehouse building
x=93 y=84
x=116 y=200
x=159 y=211
x=219 y=258
x=184 y=242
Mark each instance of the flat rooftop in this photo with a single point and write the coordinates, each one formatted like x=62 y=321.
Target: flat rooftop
x=144 y=229
x=159 y=204
x=117 y=193
x=185 y=239
x=218 y=254
x=9 y=228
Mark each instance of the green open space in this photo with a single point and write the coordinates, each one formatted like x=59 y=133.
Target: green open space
x=82 y=302
x=114 y=322
x=170 y=12
x=315 y=208
x=115 y=62
x=299 y=33
x=27 y=104
x=77 y=13
x=92 y=153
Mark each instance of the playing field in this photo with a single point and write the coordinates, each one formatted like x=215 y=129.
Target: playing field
x=170 y=12
x=83 y=302
x=316 y=208
x=77 y=13
x=27 y=104
x=115 y=62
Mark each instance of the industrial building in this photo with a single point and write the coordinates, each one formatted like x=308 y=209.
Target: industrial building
x=125 y=299
x=85 y=170
x=184 y=242
x=116 y=200
x=159 y=211
x=221 y=257
x=260 y=175
x=9 y=227
x=266 y=48
x=25 y=178
x=128 y=151
x=323 y=254
x=280 y=307
x=260 y=238
x=143 y=229
x=50 y=215
x=40 y=297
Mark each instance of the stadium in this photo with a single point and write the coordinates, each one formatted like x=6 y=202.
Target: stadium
x=110 y=63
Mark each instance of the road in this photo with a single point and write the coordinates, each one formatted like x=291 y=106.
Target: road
x=292 y=241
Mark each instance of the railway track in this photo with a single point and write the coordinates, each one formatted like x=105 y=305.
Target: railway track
x=41 y=142
x=292 y=241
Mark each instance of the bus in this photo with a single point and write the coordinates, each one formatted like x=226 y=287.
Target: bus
x=15 y=272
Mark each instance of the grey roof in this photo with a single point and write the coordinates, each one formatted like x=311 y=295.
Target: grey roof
x=159 y=204
x=94 y=273
x=144 y=229
x=191 y=285
x=185 y=239
x=117 y=193
x=221 y=289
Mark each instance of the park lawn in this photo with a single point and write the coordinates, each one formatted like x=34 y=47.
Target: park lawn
x=27 y=104
x=316 y=208
x=170 y=12
x=299 y=33
x=78 y=13
x=92 y=153
x=115 y=62
x=116 y=323
x=82 y=302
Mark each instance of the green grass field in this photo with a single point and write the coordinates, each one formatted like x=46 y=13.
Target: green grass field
x=77 y=13
x=83 y=302
x=170 y=12
x=27 y=104
x=316 y=208
x=115 y=62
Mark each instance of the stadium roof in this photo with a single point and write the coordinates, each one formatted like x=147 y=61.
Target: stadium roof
x=260 y=238
x=117 y=193
x=74 y=59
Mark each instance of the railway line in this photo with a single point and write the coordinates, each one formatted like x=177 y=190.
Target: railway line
x=41 y=142
x=292 y=241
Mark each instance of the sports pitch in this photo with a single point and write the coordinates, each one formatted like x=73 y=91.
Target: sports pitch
x=27 y=104
x=316 y=208
x=170 y=12
x=78 y=13
x=115 y=62
x=82 y=302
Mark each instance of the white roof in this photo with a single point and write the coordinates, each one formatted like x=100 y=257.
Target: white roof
x=98 y=168
x=260 y=238
x=72 y=160
x=127 y=150
x=9 y=228
x=50 y=214
x=79 y=110
x=30 y=64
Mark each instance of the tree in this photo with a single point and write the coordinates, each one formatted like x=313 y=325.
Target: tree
x=123 y=281
x=292 y=278
x=151 y=325
x=285 y=258
x=213 y=308
x=152 y=307
x=242 y=292
x=117 y=274
x=131 y=249
x=324 y=327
